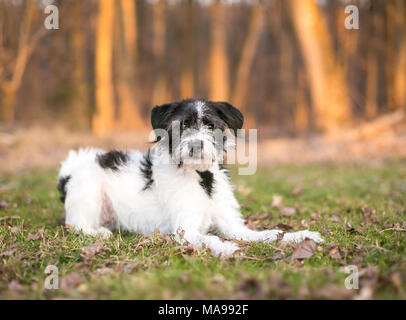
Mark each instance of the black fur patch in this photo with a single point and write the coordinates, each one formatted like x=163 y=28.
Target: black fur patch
x=206 y=181
x=62 y=187
x=146 y=169
x=112 y=160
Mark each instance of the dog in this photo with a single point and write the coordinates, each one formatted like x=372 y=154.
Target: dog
x=179 y=186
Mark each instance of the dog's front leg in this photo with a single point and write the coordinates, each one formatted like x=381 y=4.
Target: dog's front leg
x=230 y=224
x=216 y=246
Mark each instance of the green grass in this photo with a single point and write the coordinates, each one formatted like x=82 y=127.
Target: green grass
x=376 y=245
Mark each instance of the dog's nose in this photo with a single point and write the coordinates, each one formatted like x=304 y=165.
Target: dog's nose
x=195 y=147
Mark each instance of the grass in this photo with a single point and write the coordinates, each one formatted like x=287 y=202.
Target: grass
x=360 y=210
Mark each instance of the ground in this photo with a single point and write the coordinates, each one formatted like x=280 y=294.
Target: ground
x=360 y=209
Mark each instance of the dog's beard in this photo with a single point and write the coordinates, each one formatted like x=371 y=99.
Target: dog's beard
x=198 y=158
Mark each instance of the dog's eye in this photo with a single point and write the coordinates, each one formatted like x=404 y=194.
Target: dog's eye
x=210 y=126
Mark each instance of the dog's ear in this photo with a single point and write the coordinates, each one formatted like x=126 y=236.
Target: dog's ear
x=230 y=115
x=161 y=116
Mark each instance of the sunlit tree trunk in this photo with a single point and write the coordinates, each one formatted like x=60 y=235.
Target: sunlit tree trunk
x=26 y=44
x=372 y=70
x=302 y=107
x=249 y=49
x=81 y=100
x=129 y=114
x=187 y=85
x=160 y=92
x=327 y=82
x=400 y=65
x=103 y=120
x=218 y=64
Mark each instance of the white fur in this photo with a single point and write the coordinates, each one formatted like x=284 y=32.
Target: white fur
x=174 y=200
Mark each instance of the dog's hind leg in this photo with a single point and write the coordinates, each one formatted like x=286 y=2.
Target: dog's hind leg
x=84 y=208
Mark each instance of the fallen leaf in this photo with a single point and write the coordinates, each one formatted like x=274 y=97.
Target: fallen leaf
x=14 y=230
x=70 y=281
x=304 y=249
x=129 y=267
x=276 y=201
x=325 y=232
x=180 y=232
x=103 y=271
x=336 y=253
x=287 y=211
x=9 y=251
x=92 y=250
x=9 y=218
x=3 y=204
x=296 y=191
x=38 y=235
x=284 y=227
x=368 y=212
x=333 y=292
x=335 y=218
x=15 y=287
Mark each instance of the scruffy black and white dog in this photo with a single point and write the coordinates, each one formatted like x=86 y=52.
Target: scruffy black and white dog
x=179 y=184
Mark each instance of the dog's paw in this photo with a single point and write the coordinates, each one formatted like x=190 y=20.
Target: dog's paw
x=226 y=249
x=301 y=235
x=103 y=233
x=271 y=235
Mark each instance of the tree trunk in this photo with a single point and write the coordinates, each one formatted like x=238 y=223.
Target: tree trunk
x=160 y=93
x=81 y=100
x=129 y=114
x=249 y=49
x=9 y=88
x=372 y=69
x=218 y=65
x=187 y=84
x=400 y=71
x=327 y=82
x=103 y=120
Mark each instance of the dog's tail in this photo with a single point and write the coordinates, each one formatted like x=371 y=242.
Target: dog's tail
x=75 y=159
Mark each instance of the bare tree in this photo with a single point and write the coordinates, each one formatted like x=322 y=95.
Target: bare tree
x=327 y=81
x=27 y=40
x=218 y=64
x=129 y=114
x=104 y=119
x=249 y=49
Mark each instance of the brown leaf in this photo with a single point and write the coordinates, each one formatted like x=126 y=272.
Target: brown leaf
x=15 y=287
x=335 y=218
x=316 y=216
x=38 y=235
x=276 y=201
x=3 y=204
x=284 y=227
x=304 y=249
x=332 y=291
x=287 y=211
x=103 y=271
x=180 y=232
x=9 y=218
x=336 y=253
x=129 y=267
x=368 y=212
x=296 y=191
x=325 y=232
x=70 y=281
x=9 y=251
x=14 y=230
x=92 y=250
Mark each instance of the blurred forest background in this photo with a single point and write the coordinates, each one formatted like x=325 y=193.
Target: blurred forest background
x=290 y=65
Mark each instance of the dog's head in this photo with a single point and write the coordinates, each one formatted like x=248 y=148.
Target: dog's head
x=196 y=130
